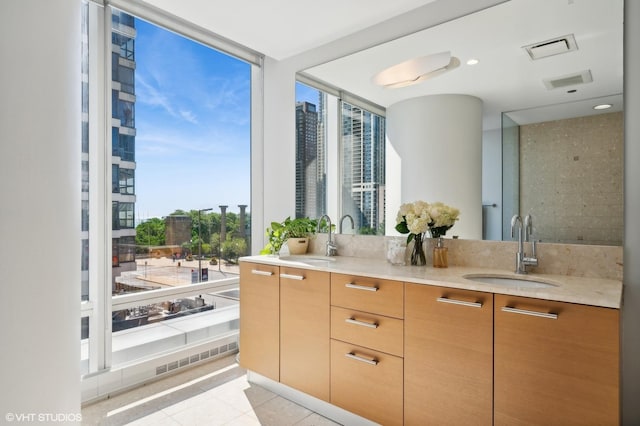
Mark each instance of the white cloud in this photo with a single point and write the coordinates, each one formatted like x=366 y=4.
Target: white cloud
x=189 y=116
x=150 y=95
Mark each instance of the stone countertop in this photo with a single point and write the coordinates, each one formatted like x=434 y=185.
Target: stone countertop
x=601 y=292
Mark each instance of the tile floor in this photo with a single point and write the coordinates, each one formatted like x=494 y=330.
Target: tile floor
x=215 y=393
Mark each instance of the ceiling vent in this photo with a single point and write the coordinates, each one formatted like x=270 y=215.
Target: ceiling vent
x=568 y=80
x=555 y=46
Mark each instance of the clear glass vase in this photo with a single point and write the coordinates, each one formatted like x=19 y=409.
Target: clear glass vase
x=418 y=257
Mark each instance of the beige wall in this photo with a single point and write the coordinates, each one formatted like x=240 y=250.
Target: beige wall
x=571 y=177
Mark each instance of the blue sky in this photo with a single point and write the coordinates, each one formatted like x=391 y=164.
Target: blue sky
x=193 y=125
x=306 y=93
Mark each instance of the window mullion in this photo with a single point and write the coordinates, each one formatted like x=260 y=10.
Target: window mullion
x=106 y=193
x=97 y=254
x=334 y=159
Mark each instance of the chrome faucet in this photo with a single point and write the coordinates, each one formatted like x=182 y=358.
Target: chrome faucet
x=350 y=218
x=526 y=228
x=332 y=249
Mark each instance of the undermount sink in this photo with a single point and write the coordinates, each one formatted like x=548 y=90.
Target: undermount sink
x=309 y=260
x=510 y=281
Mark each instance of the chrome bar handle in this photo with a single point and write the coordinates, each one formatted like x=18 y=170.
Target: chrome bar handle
x=532 y=313
x=292 y=277
x=360 y=287
x=259 y=272
x=361 y=359
x=459 y=302
x=362 y=323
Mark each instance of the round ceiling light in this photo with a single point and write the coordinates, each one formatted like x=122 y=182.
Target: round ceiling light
x=473 y=61
x=603 y=106
x=416 y=70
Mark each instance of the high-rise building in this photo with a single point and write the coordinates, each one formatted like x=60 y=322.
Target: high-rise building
x=363 y=170
x=321 y=169
x=307 y=168
x=123 y=133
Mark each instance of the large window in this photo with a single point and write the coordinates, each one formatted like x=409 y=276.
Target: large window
x=356 y=143
x=178 y=115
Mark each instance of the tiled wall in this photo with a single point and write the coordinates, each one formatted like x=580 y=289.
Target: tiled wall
x=571 y=174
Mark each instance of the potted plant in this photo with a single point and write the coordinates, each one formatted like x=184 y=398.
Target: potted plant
x=295 y=232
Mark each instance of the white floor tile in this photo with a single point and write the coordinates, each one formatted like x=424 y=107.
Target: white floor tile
x=280 y=412
x=214 y=393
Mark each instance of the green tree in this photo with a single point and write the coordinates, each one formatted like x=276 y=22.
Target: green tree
x=151 y=232
x=233 y=248
x=203 y=227
x=215 y=243
x=208 y=229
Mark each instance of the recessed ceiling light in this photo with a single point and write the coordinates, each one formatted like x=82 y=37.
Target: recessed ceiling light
x=603 y=106
x=416 y=70
x=472 y=61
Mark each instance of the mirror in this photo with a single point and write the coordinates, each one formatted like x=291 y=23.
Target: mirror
x=560 y=86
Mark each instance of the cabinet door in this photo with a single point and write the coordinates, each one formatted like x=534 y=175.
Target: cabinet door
x=448 y=376
x=366 y=382
x=555 y=363
x=304 y=330
x=260 y=319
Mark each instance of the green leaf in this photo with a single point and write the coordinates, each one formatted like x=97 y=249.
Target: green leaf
x=410 y=238
x=402 y=228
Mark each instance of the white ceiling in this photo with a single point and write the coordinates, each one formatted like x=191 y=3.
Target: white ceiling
x=283 y=28
x=506 y=79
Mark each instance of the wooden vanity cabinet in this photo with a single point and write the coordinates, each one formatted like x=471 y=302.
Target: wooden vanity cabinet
x=305 y=330
x=367 y=346
x=555 y=363
x=448 y=358
x=402 y=353
x=260 y=319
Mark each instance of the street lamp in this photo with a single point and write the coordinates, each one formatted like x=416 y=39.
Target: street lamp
x=200 y=245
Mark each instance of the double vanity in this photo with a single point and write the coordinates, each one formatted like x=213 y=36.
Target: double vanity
x=360 y=340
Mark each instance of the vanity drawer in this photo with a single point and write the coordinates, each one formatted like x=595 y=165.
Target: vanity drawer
x=370 y=330
x=384 y=297
x=367 y=382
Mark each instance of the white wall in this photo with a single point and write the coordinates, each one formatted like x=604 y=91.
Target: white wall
x=276 y=185
x=438 y=140
x=40 y=214
x=631 y=303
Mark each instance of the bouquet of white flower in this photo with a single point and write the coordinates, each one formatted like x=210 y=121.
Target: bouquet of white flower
x=443 y=217
x=419 y=217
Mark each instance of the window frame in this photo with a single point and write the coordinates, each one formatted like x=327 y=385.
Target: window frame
x=335 y=141
x=97 y=309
